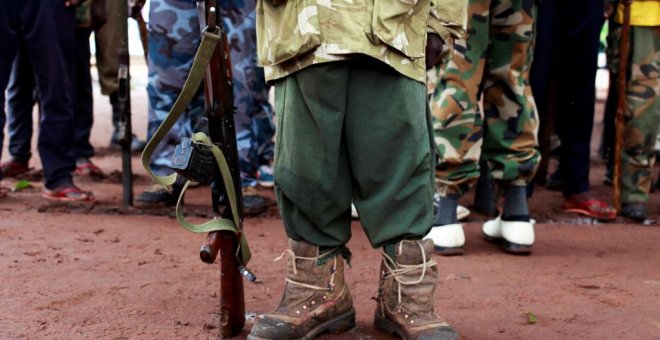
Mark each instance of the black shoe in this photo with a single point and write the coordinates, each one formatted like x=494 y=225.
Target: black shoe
x=253 y=204
x=160 y=194
x=554 y=182
x=136 y=143
x=634 y=211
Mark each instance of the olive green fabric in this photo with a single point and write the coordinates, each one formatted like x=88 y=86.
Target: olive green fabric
x=353 y=130
x=295 y=34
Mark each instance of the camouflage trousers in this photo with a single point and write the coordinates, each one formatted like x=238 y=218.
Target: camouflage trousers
x=171 y=52
x=170 y=57
x=492 y=63
x=642 y=115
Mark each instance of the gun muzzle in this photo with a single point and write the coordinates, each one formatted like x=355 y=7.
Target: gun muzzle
x=210 y=248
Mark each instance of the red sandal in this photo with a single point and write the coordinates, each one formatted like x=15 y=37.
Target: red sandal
x=69 y=194
x=592 y=208
x=13 y=168
x=89 y=169
x=3 y=192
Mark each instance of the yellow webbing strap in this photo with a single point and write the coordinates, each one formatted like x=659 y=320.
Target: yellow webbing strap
x=197 y=71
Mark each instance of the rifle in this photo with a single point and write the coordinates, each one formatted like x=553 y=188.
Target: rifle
x=212 y=160
x=124 y=100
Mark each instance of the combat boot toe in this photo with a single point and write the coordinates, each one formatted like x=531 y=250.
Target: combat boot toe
x=316 y=298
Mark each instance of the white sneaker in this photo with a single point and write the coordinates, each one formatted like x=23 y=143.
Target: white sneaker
x=514 y=236
x=447 y=239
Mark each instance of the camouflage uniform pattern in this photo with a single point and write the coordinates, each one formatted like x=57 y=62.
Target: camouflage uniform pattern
x=254 y=115
x=293 y=35
x=171 y=52
x=174 y=36
x=642 y=115
x=492 y=62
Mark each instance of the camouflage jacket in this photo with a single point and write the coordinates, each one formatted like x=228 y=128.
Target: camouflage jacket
x=293 y=34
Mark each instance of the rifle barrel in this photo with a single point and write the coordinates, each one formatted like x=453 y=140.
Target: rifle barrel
x=125 y=133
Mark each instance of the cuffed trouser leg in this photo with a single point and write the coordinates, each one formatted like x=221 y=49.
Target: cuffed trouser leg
x=353 y=130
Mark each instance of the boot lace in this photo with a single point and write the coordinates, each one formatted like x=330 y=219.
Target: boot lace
x=398 y=270
x=290 y=254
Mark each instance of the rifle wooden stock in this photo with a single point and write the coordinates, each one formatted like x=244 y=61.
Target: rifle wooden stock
x=219 y=102
x=232 y=301
x=125 y=133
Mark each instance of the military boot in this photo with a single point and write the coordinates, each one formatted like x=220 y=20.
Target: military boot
x=405 y=294
x=316 y=299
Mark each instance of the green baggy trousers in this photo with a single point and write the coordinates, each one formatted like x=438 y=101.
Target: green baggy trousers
x=353 y=131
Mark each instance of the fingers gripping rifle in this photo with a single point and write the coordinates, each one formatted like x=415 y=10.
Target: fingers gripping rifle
x=213 y=160
x=124 y=99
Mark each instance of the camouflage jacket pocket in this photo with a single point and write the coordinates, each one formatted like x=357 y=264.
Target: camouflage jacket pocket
x=286 y=30
x=400 y=24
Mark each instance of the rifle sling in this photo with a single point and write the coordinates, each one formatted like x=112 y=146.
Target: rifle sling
x=190 y=87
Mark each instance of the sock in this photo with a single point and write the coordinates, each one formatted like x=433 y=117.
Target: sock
x=342 y=250
x=389 y=250
x=515 y=204
x=446 y=210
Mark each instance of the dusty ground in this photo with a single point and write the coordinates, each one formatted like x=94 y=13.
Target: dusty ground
x=72 y=272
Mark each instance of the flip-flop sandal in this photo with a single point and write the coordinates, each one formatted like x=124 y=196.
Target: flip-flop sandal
x=12 y=168
x=89 y=169
x=72 y=194
x=586 y=208
x=3 y=192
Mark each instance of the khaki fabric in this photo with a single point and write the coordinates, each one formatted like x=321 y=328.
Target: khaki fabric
x=295 y=34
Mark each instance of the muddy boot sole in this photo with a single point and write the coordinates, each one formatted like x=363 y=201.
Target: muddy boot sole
x=341 y=323
x=387 y=326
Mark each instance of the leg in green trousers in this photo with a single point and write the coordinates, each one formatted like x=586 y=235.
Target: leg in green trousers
x=353 y=130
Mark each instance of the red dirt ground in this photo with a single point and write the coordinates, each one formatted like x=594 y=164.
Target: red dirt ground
x=76 y=272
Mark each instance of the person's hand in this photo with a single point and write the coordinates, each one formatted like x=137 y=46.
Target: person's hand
x=71 y=3
x=434 y=45
x=135 y=7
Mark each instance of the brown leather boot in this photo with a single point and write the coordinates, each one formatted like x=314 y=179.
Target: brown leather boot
x=316 y=299
x=405 y=294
